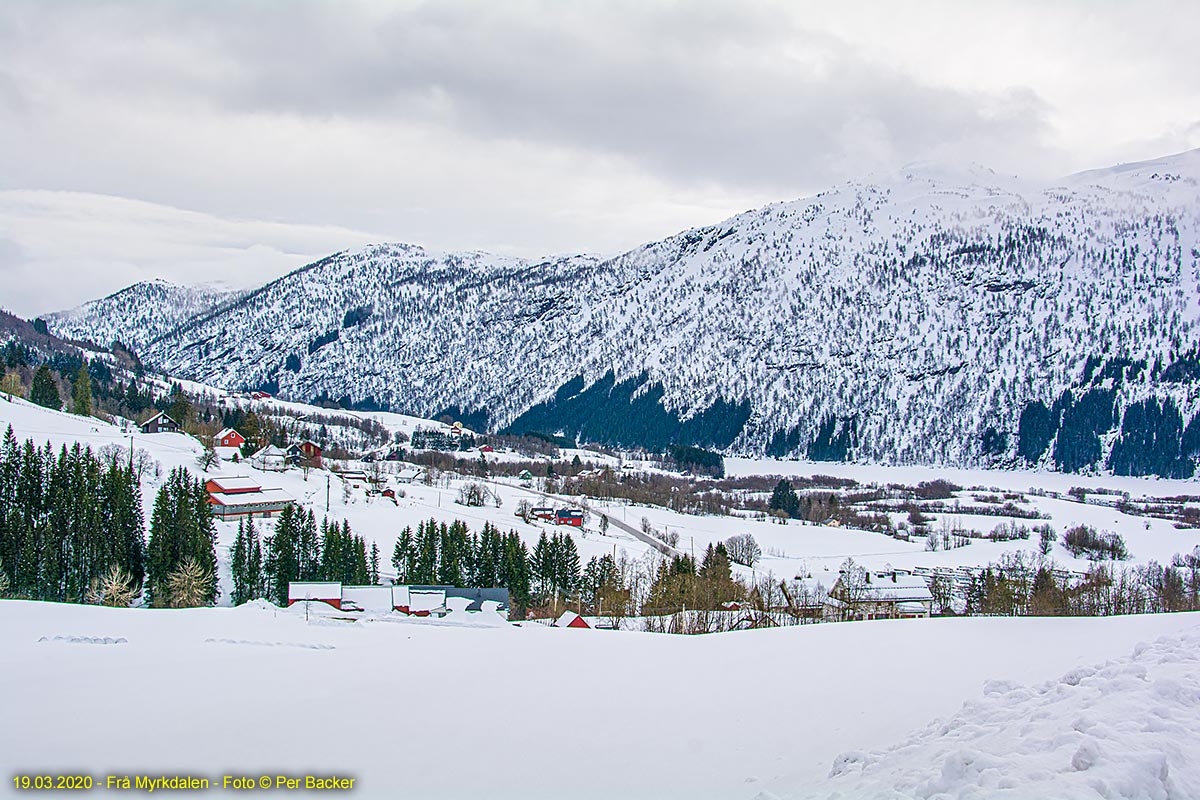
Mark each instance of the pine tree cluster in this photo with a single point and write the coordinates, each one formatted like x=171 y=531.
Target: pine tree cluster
x=66 y=520
x=450 y=555
x=298 y=550
x=182 y=537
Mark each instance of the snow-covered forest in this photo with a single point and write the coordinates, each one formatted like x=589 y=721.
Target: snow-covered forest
x=926 y=317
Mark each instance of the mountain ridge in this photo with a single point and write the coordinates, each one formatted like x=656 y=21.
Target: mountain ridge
x=848 y=322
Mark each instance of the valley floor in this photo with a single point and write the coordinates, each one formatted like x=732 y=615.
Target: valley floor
x=414 y=709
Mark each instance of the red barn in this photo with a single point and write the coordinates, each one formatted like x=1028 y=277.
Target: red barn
x=569 y=516
x=229 y=438
x=232 y=484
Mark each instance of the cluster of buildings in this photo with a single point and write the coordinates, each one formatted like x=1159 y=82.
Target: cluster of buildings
x=228 y=443
x=560 y=516
x=418 y=601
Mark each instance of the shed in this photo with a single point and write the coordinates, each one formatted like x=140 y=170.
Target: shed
x=409 y=474
x=569 y=516
x=570 y=619
x=329 y=592
x=270 y=458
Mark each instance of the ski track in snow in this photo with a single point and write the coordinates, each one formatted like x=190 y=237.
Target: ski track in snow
x=301 y=645
x=85 y=639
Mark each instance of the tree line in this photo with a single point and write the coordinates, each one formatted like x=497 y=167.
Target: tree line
x=72 y=530
x=298 y=550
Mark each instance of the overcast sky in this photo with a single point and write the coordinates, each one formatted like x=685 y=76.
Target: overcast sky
x=235 y=141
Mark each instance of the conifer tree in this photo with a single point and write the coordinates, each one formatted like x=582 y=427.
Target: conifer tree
x=181 y=528
x=427 y=553
x=455 y=558
x=44 y=390
x=784 y=499
x=81 y=392
x=404 y=556
x=282 y=560
x=542 y=566
x=566 y=576
x=488 y=555
x=515 y=574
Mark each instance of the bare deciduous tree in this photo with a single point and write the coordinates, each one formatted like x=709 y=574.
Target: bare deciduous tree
x=188 y=584
x=743 y=550
x=114 y=589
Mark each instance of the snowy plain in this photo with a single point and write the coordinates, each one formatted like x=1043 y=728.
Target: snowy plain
x=446 y=711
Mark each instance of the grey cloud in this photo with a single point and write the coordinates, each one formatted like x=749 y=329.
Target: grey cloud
x=690 y=92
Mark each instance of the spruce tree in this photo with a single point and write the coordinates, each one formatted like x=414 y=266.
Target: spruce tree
x=181 y=528
x=81 y=392
x=282 y=561
x=44 y=390
x=515 y=574
x=566 y=576
x=404 y=556
x=239 y=558
x=784 y=499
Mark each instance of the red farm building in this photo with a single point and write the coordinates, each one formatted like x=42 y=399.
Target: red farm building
x=307 y=453
x=569 y=516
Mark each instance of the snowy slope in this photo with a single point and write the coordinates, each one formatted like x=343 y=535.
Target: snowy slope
x=1123 y=728
x=906 y=318
x=411 y=709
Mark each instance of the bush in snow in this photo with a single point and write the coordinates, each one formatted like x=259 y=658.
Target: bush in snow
x=1087 y=541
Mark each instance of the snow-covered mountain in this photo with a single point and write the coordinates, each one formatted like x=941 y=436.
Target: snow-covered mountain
x=927 y=316
x=138 y=314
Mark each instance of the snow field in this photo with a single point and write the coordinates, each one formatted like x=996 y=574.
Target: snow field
x=1126 y=728
x=419 y=710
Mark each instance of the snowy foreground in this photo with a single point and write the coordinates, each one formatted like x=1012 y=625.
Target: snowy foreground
x=978 y=707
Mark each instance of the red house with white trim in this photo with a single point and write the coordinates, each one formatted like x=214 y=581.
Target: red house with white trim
x=569 y=516
x=229 y=438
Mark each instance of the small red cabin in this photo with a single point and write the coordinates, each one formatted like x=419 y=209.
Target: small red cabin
x=570 y=619
x=569 y=516
x=542 y=512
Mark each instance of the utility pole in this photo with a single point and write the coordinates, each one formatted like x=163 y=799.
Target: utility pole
x=327 y=478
